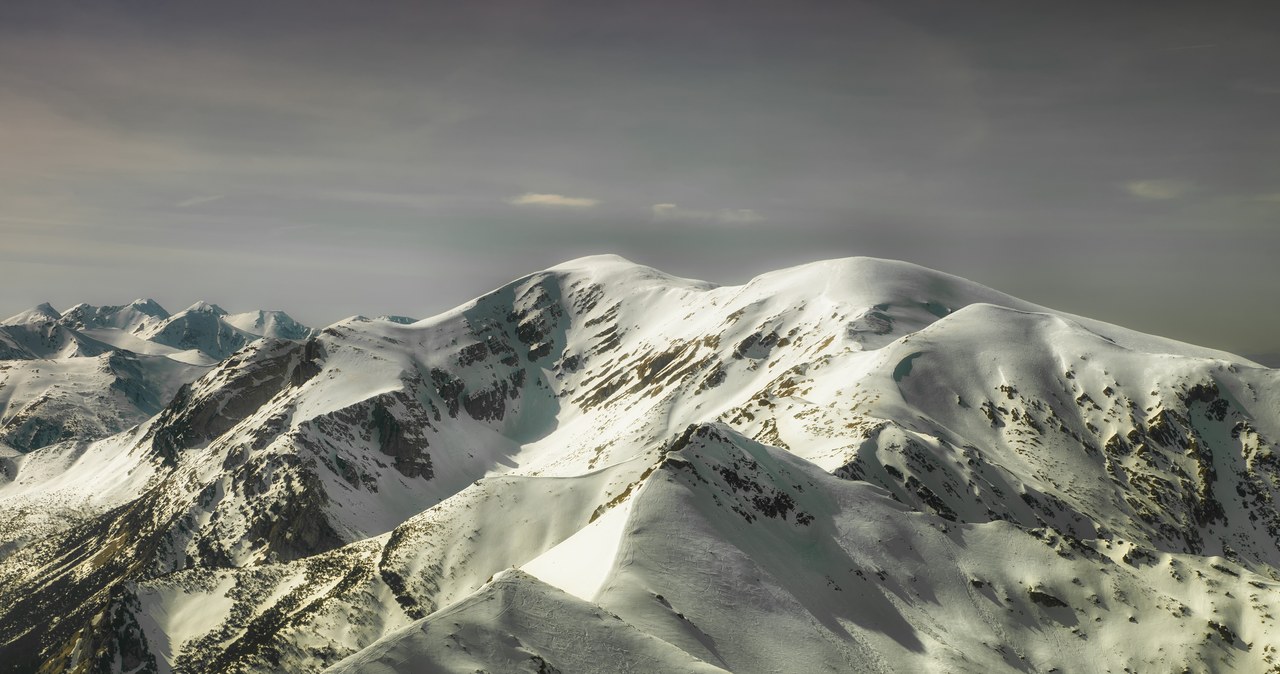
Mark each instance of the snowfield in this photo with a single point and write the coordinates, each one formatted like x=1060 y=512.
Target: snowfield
x=855 y=465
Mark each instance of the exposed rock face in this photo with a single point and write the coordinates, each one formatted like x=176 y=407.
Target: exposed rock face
x=394 y=423
x=37 y=426
x=408 y=448
x=213 y=405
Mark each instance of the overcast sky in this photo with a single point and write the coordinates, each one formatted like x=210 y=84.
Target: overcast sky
x=1115 y=159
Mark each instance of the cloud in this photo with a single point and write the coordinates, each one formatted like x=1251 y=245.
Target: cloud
x=1157 y=189
x=536 y=199
x=196 y=201
x=1273 y=198
x=723 y=216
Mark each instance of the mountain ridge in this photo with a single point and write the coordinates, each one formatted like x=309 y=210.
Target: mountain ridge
x=861 y=446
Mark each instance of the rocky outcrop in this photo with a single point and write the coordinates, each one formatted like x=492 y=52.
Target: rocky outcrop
x=239 y=387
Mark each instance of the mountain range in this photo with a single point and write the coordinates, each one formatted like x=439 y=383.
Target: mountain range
x=93 y=371
x=854 y=465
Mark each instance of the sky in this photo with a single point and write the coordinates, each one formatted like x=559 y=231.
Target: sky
x=1119 y=160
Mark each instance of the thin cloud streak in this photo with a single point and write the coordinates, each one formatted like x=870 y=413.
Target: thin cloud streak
x=197 y=201
x=538 y=199
x=1158 y=190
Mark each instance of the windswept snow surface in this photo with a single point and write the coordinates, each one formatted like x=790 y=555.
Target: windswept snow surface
x=855 y=465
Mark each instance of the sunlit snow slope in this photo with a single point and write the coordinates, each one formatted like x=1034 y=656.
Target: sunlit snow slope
x=848 y=466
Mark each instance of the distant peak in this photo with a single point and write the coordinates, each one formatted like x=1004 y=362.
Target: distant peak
x=206 y=308
x=39 y=314
x=260 y=315
x=150 y=307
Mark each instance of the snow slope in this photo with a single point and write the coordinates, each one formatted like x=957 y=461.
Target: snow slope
x=518 y=624
x=43 y=402
x=852 y=465
x=46 y=340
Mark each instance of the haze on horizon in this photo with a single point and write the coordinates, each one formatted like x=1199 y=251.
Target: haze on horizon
x=1115 y=160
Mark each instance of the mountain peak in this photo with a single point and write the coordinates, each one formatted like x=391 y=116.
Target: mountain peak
x=38 y=314
x=596 y=261
x=607 y=268
x=150 y=307
x=205 y=307
x=268 y=323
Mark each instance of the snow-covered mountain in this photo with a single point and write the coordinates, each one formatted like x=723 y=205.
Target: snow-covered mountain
x=131 y=318
x=41 y=313
x=209 y=330
x=93 y=371
x=852 y=465
x=203 y=333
